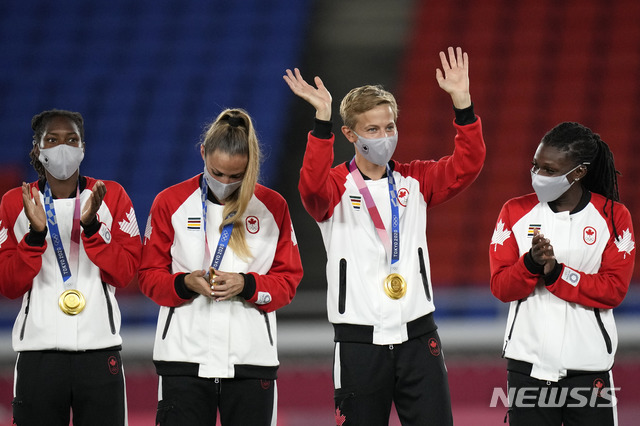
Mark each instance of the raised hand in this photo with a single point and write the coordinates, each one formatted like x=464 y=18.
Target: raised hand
x=93 y=203
x=33 y=208
x=319 y=97
x=454 y=77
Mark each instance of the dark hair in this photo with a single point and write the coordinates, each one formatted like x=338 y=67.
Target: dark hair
x=39 y=123
x=583 y=146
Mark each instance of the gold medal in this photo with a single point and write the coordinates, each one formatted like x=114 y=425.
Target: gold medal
x=71 y=302
x=212 y=275
x=395 y=286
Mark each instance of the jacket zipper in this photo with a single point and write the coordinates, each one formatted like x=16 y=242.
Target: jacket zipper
x=266 y=320
x=342 y=291
x=423 y=274
x=513 y=323
x=26 y=314
x=112 y=323
x=166 y=325
x=605 y=335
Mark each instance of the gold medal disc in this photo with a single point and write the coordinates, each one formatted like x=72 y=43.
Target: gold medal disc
x=395 y=286
x=71 y=302
x=212 y=275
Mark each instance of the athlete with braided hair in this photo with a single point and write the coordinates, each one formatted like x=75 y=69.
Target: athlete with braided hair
x=563 y=257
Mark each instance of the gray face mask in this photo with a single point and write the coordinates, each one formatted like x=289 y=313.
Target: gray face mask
x=378 y=151
x=550 y=188
x=61 y=161
x=219 y=189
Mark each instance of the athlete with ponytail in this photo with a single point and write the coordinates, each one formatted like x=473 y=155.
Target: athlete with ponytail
x=219 y=257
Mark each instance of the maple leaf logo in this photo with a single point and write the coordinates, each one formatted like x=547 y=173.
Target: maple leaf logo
x=130 y=224
x=3 y=234
x=625 y=244
x=500 y=235
x=340 y=418
x=147 y=231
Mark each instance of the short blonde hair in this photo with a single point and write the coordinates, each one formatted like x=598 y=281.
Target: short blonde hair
x=362 y=99
x=233 y=133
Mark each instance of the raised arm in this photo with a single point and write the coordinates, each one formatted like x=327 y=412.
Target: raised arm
x=319 y=97
x=454 y=77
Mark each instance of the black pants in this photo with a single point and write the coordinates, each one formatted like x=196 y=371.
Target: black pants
x=580 y=400
x=412 y=375
x=194 y=401
x=50 y=384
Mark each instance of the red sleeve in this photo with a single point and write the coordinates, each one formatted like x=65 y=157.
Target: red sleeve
x=320 y=188
x=285 y=273
x=510 y=278
x=156 y=278
x=607 y=288
x=443 y=179
x=115 y=251
x=19 y=262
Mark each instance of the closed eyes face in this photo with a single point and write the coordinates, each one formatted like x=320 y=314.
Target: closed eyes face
x=226 y=168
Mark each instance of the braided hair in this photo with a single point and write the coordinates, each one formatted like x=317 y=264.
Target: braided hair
x=583 y=146
x=39 y=124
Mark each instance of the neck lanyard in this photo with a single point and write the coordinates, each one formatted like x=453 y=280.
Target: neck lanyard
x=225 y=235
x=52 y=221
x=391 y=245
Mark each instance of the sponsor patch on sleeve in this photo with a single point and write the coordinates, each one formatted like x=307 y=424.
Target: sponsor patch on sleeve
x=570 y=276
x=263 y=298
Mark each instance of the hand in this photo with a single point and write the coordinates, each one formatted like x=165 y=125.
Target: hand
x=33 y=209
x=196 y=281
x=227 y=285
x=319 y=98
x=455 y=80
x=93 y=203
x=542 y=252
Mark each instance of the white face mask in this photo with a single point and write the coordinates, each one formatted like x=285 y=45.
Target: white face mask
x=219 y=189
x=378 y=151
x=61 y=161
x=550 y=188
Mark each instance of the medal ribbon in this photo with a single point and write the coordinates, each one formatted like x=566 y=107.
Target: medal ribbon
x=391 y=245
x=225 y=235
x=64 y=265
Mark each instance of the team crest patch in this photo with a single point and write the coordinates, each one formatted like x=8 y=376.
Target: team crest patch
x=589 y=235
x=598 y=384
x=434 y=346
x=253 y=224
x=532 y=229
x=403 y=196
x=114 y=365
x=194 y=223
x=356 y=201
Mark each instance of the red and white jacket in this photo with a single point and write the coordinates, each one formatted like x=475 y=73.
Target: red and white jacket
x=230 y=339
x=563 y=321
x=357 y=262
x=108 y=259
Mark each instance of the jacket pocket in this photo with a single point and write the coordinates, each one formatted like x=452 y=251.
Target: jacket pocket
x=112 y=323
x=342 y=290
x=26 y=315
x=423 y=274
x=603 y=330
x=166 y=324
x=268 y=324
x=513 y=323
